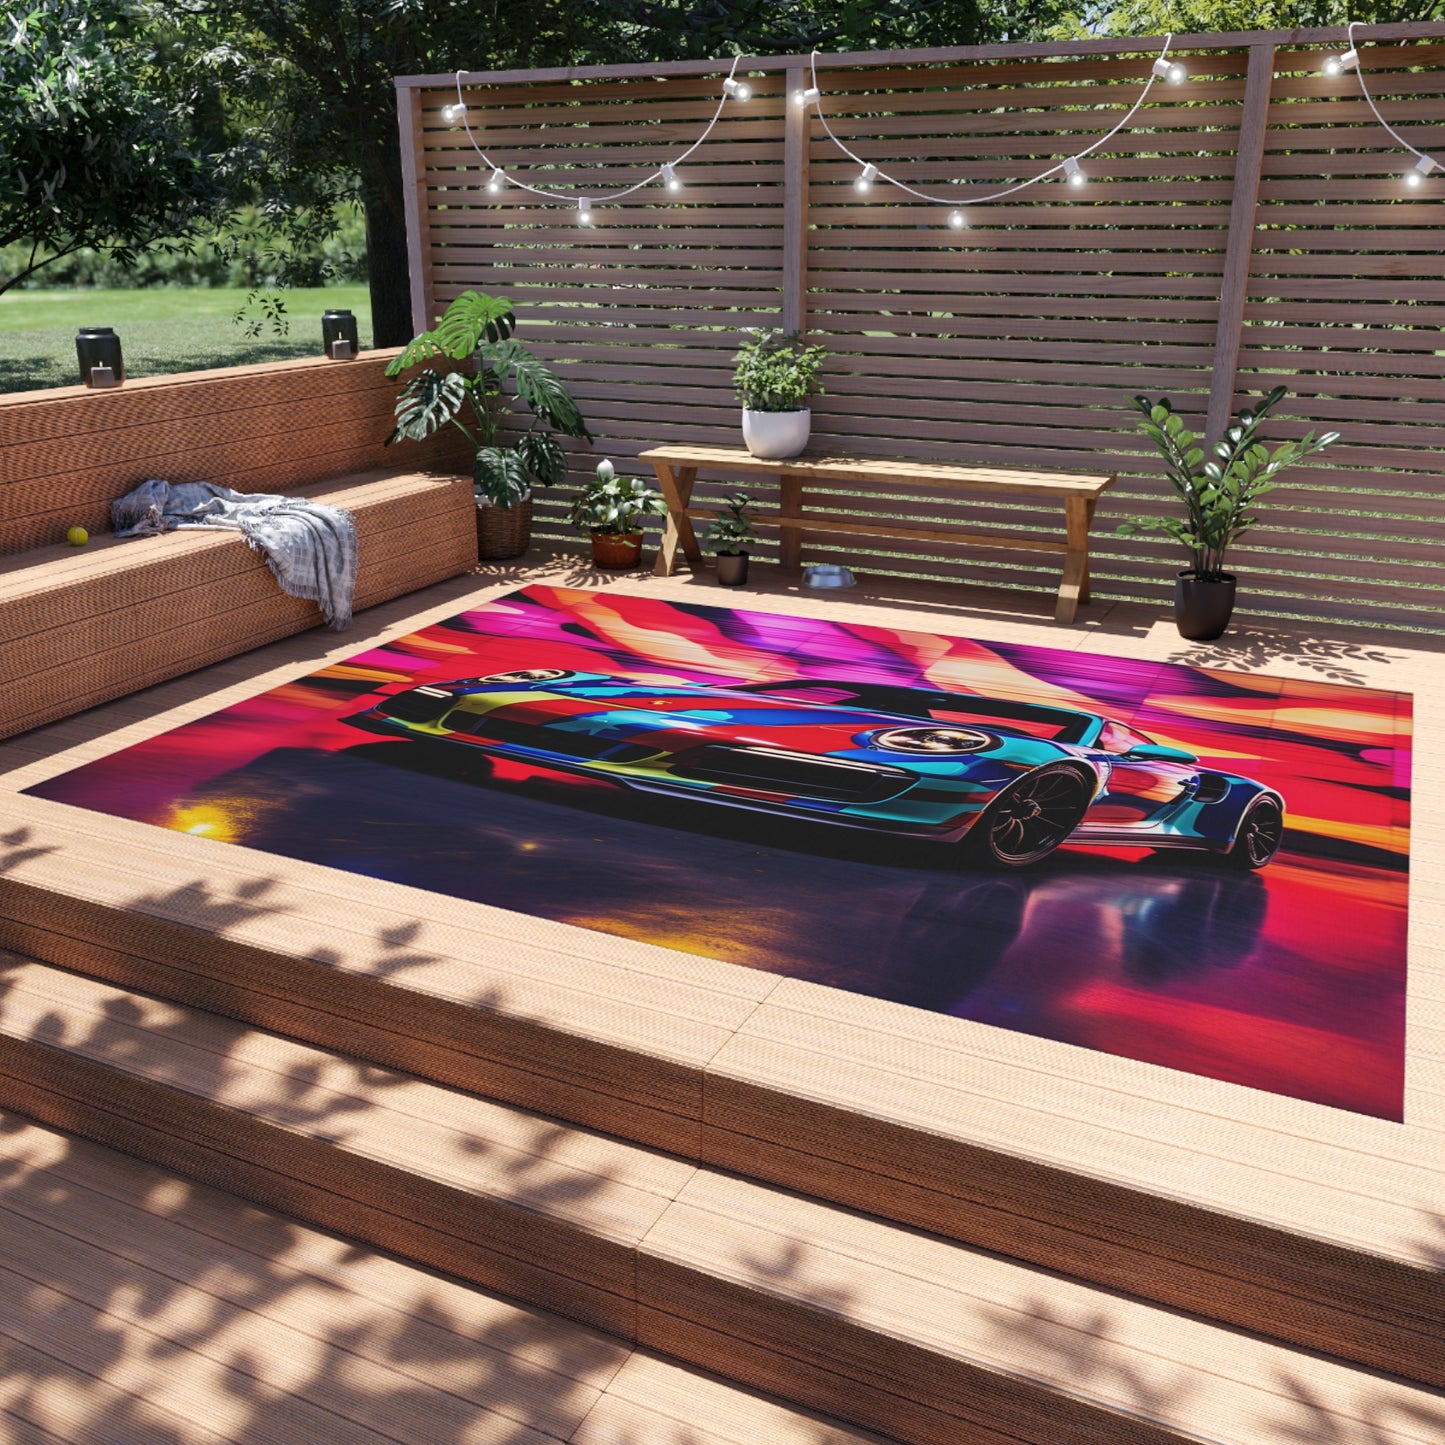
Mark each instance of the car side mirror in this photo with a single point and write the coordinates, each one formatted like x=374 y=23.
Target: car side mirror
x=1157 y=753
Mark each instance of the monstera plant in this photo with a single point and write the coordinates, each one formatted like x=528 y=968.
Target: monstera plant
x=507 y=463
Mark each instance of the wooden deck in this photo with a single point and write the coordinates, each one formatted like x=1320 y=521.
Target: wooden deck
x=933 y=1229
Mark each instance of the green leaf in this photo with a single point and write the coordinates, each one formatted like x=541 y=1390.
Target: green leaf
x=428 y=401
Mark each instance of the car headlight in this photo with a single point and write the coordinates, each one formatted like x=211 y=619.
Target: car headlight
x=932 y=740
x=527 y=674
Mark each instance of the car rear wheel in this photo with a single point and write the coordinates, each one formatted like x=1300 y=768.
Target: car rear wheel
x=1031 y=817
x=1260 y=832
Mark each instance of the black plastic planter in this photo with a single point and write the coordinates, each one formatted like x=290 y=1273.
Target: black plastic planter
x=732 y=569
x=1202 y=608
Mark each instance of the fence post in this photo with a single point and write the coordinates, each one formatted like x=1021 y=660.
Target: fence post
x=1249 y=161
x=413 y=187
x=795 y=203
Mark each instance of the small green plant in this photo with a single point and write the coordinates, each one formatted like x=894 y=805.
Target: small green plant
x=613 y=506
x=1219 y=495
x=776 y=371
x=732 y=532
x=480 y=326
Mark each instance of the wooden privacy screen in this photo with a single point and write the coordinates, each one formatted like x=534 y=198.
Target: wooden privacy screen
x=1249 y=227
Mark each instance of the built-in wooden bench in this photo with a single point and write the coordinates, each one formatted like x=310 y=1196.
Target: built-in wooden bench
x=677 y=468
x=79 y=626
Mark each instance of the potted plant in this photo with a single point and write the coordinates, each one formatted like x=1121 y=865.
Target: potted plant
x=729 y=536
x=480 y=327
x=775 y=374
x=1219 y=497
x=611 y=508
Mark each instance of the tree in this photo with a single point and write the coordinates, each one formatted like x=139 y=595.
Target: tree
x=93 y=152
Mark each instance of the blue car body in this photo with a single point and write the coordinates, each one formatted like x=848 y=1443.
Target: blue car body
x=908 y=760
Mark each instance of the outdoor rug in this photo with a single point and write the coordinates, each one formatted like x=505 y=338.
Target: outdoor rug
x=847 y=804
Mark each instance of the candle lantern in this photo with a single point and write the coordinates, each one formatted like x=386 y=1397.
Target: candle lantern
x=98 y=350
x=339 y=335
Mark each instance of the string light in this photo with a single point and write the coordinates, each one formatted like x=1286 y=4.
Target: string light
x=1161 y=69
x=1423 y=167
x=732 y=88
x=1336 y=65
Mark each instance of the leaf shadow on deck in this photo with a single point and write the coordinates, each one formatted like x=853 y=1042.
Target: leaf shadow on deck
x=142 y=1307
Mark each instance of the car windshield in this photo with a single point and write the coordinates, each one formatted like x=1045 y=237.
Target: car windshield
x=1055 y=724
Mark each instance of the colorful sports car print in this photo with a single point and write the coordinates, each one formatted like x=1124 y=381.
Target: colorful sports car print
x=1011 y=781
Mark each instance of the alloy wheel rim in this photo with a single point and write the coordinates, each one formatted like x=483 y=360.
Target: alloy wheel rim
x=1036 y=815
x=1263 y=832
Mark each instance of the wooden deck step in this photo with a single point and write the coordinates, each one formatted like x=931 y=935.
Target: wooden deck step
x=138 y=1307
x=1241 y=1207
x=921 y=1338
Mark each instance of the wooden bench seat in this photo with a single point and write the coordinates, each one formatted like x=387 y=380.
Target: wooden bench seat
x=677 y=468
x=81 y=626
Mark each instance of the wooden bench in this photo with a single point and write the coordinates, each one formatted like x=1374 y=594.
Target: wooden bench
x=80 y=626
x=677 y=468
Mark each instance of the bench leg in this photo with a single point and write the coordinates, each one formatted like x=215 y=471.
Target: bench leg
x=790 y=539
x=1074 y=588
x=676 y=488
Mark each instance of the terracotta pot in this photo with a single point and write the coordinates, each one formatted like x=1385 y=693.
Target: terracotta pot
x=732 y=569
x=503 y=531
x=772 y=435
x=1202 y=608
x=615 y=554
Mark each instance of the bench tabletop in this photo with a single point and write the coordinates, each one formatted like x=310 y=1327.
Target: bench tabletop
x=840 y=466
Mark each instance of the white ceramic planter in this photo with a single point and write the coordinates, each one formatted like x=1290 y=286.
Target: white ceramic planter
x=772 y=435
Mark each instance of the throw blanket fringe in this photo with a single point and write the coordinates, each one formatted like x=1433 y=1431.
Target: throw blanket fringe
x=309 y=547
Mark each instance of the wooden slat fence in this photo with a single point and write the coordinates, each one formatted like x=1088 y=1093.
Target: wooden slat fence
x=1251 y=220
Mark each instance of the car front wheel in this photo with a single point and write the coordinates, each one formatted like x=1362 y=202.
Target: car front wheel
x=1260 y=832
x=1031 y=817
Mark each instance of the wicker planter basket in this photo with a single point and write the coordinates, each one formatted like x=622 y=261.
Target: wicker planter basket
x=503 y=531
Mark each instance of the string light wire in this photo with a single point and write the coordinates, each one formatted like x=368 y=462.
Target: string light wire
x=732 y=89
x=1067 y=166
x=1351 y=61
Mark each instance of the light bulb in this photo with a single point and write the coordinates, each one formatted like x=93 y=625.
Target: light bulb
x=806 y=97
x=1338 y=64
x=736 y=89
x=669 y=178
x=454 y=112
x=1177 y=74
x=1170 y=70
x=1075 y=176
x=498 y=178
x=584 y=211
x=1423 y=167
x=957 y=220
x=865 y=177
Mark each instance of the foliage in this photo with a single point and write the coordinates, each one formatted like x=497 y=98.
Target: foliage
x=613 y=506
x=1213 y=17
x=732 y=532
x=1219 y=495
x=776 y=371
x=98 y=148
x=480 y=327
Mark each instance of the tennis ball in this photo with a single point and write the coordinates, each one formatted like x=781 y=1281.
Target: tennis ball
x=77 y=536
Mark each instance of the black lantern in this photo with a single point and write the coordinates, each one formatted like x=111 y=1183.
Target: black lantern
x=338 y=335
x=98 y=350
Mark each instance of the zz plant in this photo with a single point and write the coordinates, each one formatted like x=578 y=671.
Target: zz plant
x=1219 y=494
x=479 y=327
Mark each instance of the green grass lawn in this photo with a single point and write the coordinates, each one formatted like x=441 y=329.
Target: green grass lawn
x=161 y=330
